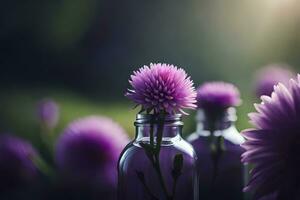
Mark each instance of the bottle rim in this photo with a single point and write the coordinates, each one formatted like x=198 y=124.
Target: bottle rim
x=174 y=119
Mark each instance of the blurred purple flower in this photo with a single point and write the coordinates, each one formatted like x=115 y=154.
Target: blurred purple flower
x=217 y=95
x=162 y=87
x=88 y=150
x=17 y=167
x=272 y=196
x=48 y=113
x=271 y=75
x=273 y=145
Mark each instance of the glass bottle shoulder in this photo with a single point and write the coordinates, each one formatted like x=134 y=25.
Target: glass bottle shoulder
x=230 y=135
x=170 y=146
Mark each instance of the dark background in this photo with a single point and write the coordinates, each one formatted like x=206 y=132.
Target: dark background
x=81 y=52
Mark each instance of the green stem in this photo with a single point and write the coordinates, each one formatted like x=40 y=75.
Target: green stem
x=215 y=173
x=161 y=178
x=46 y=137
x=160 y=128
x=216 y=155
x=151 y=134
x=174 y=188
x=43 y=167
x=147 y=188
x=156 y=152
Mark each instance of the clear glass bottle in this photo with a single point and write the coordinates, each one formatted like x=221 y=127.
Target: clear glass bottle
x=217 y=144
x=173 y=176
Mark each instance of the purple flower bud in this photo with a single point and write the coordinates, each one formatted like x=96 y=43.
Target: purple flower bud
x=270 y=76
x=88 y=150
x=162 y=88
x=16 y=162
x=48 y=113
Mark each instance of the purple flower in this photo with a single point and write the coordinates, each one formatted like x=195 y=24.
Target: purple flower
x=217 y=95
x=48 y=113
x=88 y=150
x=162 y=88
x=16 y=162
x=271 y=75
x=273 y=145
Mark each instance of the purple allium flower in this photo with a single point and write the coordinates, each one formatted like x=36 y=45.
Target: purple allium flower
x=271 y=75
x=48 y=113
x=89 y=148
x=217 y=95
x=16 y=162
x=162 y=88
x=273 y=145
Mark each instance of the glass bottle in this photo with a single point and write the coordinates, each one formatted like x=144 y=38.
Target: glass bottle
x=169 y=175
x=217 y=144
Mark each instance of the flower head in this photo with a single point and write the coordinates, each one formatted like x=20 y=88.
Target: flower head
x=162 y=88
x=269 y=76
x=48 y=112
x=16 y=162
x=89 y=148
x=217 y=95
x=273 y=145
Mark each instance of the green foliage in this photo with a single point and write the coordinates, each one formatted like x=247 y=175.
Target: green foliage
x=18 y=112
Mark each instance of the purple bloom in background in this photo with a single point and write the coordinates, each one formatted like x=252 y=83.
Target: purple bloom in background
x=16 y=162
x=217 y=95
x=88 y=150
x=270 y=76
x=273 y=145
x=48 y=113
x=162 y=87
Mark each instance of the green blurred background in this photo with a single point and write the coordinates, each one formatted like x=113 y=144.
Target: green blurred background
x=82 y=52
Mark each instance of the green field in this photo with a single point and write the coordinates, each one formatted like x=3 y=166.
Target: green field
x=18 y=111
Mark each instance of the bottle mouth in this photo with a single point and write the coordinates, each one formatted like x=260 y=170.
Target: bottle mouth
x=175 y=119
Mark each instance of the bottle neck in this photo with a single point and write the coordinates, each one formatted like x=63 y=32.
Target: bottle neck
x=169 y=125
x=215 y=122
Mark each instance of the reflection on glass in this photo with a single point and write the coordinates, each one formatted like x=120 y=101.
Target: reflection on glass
x=171 y=177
